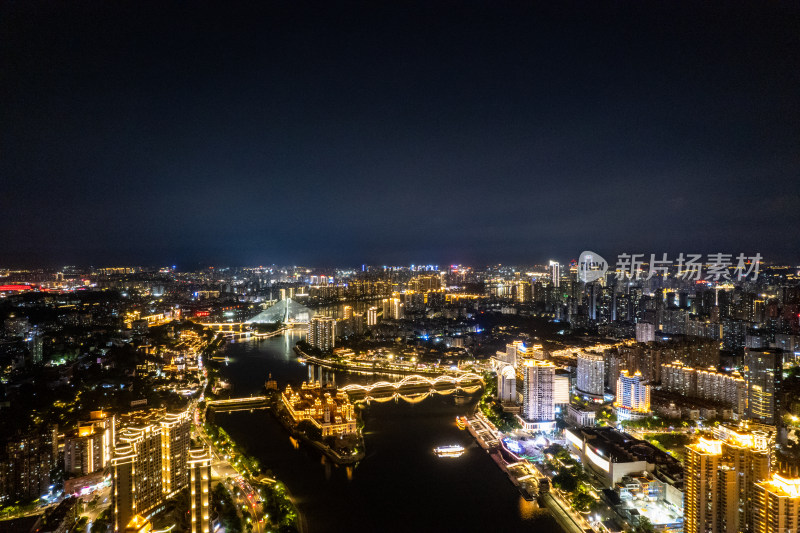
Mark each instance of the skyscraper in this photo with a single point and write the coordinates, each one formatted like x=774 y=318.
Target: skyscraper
x=26 y=464
x=555 y=273
x=538 y=404
x=776 y=506
x=763 y=372
x=591 y=375
x=322 y=333
x=372 y=316
x=721 y=476
x=136 y=473
x=199 y=460
x=703 y=497
x=90 y=447
x=150 y=463
x=175 y=441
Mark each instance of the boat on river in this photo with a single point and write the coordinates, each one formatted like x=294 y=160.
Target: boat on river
x=453 y=450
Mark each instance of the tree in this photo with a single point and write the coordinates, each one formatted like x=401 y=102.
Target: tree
x=582 y=502
x=565 y=481
x=645 y=525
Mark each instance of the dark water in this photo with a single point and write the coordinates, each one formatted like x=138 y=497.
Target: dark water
x=401 y=485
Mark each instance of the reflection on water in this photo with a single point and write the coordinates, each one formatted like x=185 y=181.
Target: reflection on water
x=401 y=485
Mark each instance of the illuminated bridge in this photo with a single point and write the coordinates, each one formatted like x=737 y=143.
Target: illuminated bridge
x=238 y=404
x=413 y=389
x=286 y=311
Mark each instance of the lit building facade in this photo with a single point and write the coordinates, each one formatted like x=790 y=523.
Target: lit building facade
x=26 y=465
x=136 y=473
x=591 y=375
x=150 y=462
x=763 y=373
x=555 y=273
x=322 y=333
x=175 y=440
x=538 y=402
x=372 y=316
x=776 y=506
x=721 y=476
x=199 y=466
x=561 y=387
x=507 y=384
x=633 y=396
x=707 y=384
x=645 y=332
x=333 y=413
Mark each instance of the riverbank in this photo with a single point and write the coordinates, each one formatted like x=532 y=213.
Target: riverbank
x=392 y=486
x=278 y=506
x=367 y=369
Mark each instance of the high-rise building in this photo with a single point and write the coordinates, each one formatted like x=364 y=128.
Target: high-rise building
x=150 y=462
x=538 y=403
x=633 y=396
x=36 y=346
x=322 y=333
x=555 y=273
x=776 y=505
x=26 y=465
x=199 y=489
x=175 y=440
x=136 y=473
x=348 y=312
x=591 y=375
x=707 y=384
x=763 y=372
x=89 y=448
x=703 y=498
x=645 y=332
x=83 y=451
x=507 y=384
x=721 y=476
x=372 y=316
x=561 y=388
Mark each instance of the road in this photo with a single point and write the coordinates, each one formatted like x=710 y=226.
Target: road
x=246 y=497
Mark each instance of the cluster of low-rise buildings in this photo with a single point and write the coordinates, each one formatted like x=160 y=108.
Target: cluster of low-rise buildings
x=333 y=414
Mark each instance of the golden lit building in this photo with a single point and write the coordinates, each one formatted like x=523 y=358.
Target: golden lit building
x=702 y=496
x=199 y=488
x=175 y=439
x=776 y=506
x=150 y=462
x=138 y=524
x=721 y=476
x=332 y=414
x=136 y=473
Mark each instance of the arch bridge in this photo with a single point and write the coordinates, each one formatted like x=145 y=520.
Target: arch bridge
x=413 y=388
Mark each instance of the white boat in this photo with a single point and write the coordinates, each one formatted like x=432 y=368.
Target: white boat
x=454 y=450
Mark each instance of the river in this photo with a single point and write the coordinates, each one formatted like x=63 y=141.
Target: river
x=400 y=485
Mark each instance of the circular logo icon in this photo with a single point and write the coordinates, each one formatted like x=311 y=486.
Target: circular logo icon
x=591 y=267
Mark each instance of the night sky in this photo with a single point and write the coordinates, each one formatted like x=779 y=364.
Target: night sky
x=340 y=133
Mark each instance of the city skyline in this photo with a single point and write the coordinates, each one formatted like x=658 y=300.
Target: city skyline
x=399 y=266
x=386 y=134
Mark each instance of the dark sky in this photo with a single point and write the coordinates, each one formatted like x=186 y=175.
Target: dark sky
x=396 y=132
